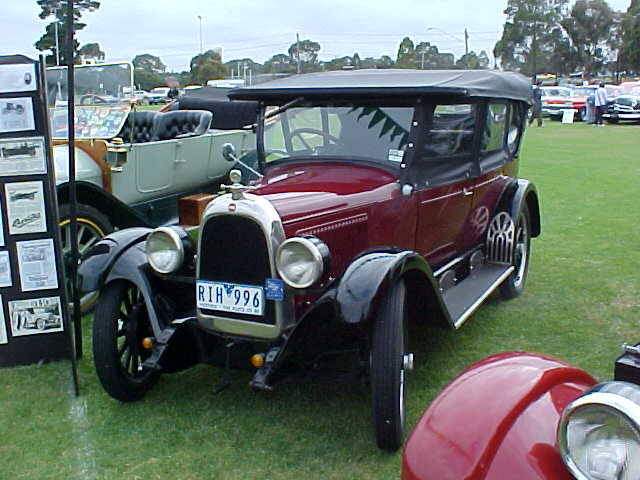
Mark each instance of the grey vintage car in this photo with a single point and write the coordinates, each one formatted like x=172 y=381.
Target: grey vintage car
x=133 y=165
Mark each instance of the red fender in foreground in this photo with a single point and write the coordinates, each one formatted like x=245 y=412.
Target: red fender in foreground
x=497 y=420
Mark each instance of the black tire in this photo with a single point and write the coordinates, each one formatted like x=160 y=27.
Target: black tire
x=388 y=347
x=514 y=284
x=92 y=226
x=120 y=323
x=40 y=324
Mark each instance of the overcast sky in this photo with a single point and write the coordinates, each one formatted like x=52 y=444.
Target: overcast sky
x=260 y=29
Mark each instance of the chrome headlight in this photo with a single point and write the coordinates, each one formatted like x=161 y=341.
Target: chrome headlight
x=599 y=433
x=165 y=248
x=301 y=261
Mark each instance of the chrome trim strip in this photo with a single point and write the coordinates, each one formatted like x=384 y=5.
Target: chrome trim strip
x=453 y=262
x=463 y=318
x=431 y=200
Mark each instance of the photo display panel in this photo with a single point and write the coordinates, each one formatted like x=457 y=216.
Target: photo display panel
x=34 y=317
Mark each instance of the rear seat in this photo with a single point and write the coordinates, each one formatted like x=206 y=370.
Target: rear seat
x=156 y=126
x=179 y=123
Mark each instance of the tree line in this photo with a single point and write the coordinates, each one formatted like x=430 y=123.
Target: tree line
x=539 y=36
x=554 y=36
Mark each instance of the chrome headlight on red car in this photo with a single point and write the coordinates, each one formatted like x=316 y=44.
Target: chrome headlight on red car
x=301 y=261
x=599 y=433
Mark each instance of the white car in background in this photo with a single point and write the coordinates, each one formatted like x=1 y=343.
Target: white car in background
x=158 y=95
x=555 y=100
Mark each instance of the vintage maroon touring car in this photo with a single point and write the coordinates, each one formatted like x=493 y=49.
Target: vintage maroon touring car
x=375 y=198
x=529 y=417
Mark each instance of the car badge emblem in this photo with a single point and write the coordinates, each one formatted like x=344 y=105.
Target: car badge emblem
x=232 y=207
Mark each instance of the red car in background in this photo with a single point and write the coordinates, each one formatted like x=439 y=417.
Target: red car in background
x=575 y=100
x=525 y=416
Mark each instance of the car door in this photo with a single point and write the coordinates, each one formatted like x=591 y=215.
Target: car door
x=500 y=138
x=442 y=172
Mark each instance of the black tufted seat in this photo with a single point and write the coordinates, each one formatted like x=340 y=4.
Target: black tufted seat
x=143 y=131
x=177 y=123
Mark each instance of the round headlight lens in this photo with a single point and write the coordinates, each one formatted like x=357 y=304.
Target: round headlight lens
x=300 y=261
x=165 y=250
x=598 y=434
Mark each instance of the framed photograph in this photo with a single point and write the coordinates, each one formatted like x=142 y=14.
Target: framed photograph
x=1 y=229
x=25 y=207
x=3 y=328
x=37 y=265
x=16 y=115
x=35 y=315
x=19 y=77
x=22 y=156
x=5 y=269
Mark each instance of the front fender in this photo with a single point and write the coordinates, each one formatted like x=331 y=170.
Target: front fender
x=98 y=262
x=132 y=266
x=496 y=420
x=368 y=278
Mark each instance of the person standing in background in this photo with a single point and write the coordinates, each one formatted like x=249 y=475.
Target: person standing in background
x=601 y=103
x=536 y=111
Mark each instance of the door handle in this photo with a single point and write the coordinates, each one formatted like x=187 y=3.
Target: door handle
x=466 y=192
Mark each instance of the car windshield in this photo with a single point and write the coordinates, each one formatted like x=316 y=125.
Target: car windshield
x=102 y=95
x=583 y=92
x=555 y=92
x=351 y=132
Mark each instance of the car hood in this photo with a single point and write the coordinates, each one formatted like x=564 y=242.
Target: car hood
x=301 y=190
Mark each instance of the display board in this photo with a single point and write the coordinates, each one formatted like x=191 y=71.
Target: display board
x=34 y=320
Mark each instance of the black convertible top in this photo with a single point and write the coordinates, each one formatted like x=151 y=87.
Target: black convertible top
x=392 y=82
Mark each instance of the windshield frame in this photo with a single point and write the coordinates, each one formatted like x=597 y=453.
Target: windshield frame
x=333 y=102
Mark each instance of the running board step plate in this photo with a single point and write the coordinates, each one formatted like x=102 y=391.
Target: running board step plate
x=463 y=299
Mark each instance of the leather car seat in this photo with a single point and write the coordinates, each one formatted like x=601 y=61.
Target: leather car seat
x=143 y=131
x=170 y=125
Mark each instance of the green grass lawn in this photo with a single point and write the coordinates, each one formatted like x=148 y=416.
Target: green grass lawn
x=582 y=301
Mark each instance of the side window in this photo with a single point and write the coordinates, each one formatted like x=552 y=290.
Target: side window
x=515 y=127
x=451 y=131
x=494 y=131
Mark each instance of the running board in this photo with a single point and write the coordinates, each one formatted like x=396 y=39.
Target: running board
x=463 y=299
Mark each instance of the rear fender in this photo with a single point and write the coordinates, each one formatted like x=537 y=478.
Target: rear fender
x=98 y=262
x=367 y=280
x=519 y=193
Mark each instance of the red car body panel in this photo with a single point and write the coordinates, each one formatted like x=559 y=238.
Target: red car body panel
x=496 y=420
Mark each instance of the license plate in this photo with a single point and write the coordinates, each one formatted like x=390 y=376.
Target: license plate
x=230 y=297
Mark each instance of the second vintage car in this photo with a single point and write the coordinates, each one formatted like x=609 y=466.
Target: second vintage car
x=376 y=199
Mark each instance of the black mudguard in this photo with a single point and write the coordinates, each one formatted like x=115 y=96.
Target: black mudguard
x=99 y=261
x=368 y=278
x=519 y=193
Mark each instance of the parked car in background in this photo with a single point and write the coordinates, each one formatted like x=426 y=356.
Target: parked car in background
x=158 y=95
x=132 y=166
x=541 y=419
x=376 y=199
x=555 y=100
x=624 y=108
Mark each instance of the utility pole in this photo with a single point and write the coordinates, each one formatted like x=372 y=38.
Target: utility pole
x=298 y=52
x=466 y=48
x=422 y=61
x=200 y=19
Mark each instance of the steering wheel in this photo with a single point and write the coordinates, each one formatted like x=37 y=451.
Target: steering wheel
x=299 y=131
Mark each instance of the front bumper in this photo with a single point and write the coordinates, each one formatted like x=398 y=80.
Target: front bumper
x=622 y=116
